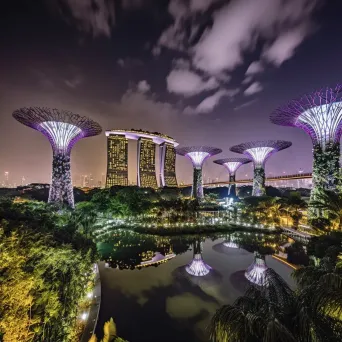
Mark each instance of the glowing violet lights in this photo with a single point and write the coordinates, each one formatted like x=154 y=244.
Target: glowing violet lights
x=259 y=152
x=255 y=273
x=63 y=129
x=60 y=133
x=319 y=114
x=197 y=155
x=232 y=164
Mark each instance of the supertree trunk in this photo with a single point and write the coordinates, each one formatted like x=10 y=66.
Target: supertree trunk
x=61 y=190
x=232 y=186
x=197 y=187
x=259 y=188
x=326 y=166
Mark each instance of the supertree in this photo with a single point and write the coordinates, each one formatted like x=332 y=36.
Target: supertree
x=259 y=152
x=255 y=273
x=232 y=242
x=63 y=129
x=232 y=164
x=197 y=155
x=197 y=267
x=319 y=114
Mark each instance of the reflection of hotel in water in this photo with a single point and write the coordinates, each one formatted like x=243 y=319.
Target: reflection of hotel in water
x=117 y=158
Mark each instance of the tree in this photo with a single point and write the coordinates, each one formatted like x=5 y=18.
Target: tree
x=109 y=331
x=272 y=313
x=330 y=204
x=294 y=206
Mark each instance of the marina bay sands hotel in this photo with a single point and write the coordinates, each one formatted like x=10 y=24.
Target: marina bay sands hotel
x=117 y=158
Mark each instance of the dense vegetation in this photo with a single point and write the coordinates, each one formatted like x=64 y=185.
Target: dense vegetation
x=45 y=271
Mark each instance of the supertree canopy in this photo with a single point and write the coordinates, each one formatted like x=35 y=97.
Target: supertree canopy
x=197 y=266
x=259 y=152
x=319 y=114
x=197 y=155
x=255 y=273
x=232 y=164
x=63 y=129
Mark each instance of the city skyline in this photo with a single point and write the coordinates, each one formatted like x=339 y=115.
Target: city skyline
x=109 y=74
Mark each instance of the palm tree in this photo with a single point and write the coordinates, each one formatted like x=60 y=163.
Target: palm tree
x=330 y=203
x=322 y=285
x=272 y=313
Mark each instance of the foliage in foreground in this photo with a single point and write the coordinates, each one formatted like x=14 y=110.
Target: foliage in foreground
x=109 y=332
x=272 y=313
x=45 y=265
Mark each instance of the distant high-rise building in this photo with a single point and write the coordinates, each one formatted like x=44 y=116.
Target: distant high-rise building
x=117 y=164
x=117 y=160
x=86 y=181
x=147 y=163
x=91 y=181
x=167 y=165
x=6 y=179
x=103 y=180
x=23 y=181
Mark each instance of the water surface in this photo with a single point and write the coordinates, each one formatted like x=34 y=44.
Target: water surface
x=165 y=303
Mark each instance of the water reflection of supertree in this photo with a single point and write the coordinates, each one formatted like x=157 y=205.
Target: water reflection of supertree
x=255 y=273
x=259 y=152
x=197 y=267
x=197 y=155
x=231 y=241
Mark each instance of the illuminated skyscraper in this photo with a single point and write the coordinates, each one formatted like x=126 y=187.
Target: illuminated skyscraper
x=167 y=165
x=6 y=179
x=117 y=160
x=147 y=163
x=63 y=129
x=117 y=169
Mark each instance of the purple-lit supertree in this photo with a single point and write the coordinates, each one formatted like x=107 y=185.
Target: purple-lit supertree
x=232 y=164
x=197 y=155
x=197 y=266
x=63 y=129
x=259 y=152
x=319 y=114
x=255 y=273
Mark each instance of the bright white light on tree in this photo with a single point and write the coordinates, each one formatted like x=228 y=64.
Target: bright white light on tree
x=198 y=158
x=61 y=133
x=232 y=166
x=198 y=267
x=84 y=316
x=259 y=154
x=323 y=121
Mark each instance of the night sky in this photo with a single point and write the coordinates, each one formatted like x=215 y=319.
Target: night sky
x=206 y=72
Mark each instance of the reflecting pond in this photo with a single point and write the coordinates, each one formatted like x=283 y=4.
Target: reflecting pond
x=168 y=288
